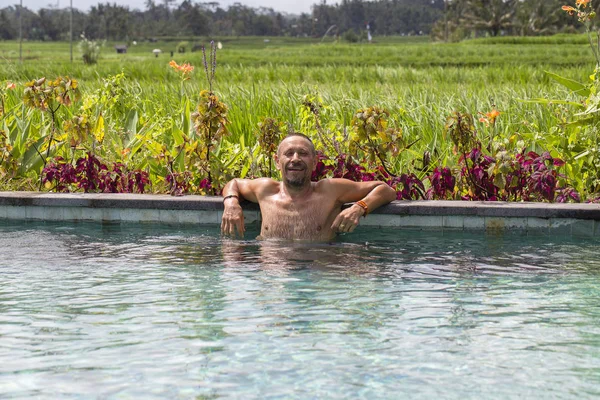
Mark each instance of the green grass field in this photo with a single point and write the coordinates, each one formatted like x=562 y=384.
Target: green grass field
x=419 y=82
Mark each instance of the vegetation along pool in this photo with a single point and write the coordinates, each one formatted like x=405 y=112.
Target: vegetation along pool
x=150 y=311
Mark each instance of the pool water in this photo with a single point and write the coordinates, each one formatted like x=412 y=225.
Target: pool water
x=150 y=311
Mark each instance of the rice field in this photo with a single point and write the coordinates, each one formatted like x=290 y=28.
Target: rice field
x=419 y=82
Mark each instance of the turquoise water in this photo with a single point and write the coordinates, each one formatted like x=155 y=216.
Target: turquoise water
x=149 y=311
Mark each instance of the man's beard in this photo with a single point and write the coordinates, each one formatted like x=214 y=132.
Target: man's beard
x=296 y=182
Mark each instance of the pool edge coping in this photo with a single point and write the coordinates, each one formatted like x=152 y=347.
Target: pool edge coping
x=214 y=203
x=436 y=215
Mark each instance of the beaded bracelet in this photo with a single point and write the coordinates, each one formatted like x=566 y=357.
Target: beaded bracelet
x=364 y=206
x=229 y=196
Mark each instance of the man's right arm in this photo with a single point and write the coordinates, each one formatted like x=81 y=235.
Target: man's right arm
x=233 y=193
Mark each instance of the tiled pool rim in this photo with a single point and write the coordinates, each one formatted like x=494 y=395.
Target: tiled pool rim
x=570 y=219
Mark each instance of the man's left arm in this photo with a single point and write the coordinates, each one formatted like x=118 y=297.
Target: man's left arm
x=367 y=197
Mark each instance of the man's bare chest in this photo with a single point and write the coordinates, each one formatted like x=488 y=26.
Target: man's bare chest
x=309 y=220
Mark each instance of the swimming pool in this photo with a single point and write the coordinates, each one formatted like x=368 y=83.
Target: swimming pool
x=151 y=311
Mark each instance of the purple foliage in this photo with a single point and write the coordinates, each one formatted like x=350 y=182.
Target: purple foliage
x=442 y=184
x=91 y=175
x=474 y=171
x=407 y=187
x=60 y=172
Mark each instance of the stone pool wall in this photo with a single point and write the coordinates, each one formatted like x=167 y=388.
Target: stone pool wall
x=570 y=219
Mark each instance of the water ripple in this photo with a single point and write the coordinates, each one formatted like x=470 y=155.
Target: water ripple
x=147 y=311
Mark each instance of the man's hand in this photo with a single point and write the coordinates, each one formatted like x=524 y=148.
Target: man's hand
x=347 y=220
x=233 y=218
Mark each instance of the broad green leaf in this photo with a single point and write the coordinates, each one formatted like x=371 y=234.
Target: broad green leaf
x=138 y=141
x=32 y=158
x=179 y=161
x=131 y=124
x=576 y=87
x=550 y=101
x=23 y=131
x=234 y=158
x=186 y=118
x=582 y=122
x=177 y=136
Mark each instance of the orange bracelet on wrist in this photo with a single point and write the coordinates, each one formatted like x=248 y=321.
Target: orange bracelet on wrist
x=364 y=206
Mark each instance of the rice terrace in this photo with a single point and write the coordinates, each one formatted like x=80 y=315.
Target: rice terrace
x=125 y=130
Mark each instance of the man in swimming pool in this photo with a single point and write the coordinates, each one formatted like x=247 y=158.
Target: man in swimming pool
x=296 y=208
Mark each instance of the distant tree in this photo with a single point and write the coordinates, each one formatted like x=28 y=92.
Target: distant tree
x=7 y=30
x=491 y=16
x=458 y=18
x=540 y=17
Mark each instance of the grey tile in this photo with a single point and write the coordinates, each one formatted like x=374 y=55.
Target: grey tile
x=471 y=222
x=428 y=221
x=73 y=213
x=504 y=224
x=54 y=213
x=597 y=228
x=111 y=214
x=131 y=215
x=538 y=224
x=583 y=228
x=149 y=215
x=561 y=226
x=381 y=220
x=188 y=217
x=35 y=213
x=91 y=214
x=454 y=221
x=249 y=217
x=168 y=216
x=15 y=212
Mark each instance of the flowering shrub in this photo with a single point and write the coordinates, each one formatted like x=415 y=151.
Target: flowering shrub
x=270 y=132
x=90 y=50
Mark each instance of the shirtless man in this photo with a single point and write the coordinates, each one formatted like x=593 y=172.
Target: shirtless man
x=297 y=208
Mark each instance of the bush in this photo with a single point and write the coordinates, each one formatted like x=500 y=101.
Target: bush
x=181 y=46
x=90 y=50
x=350 y=36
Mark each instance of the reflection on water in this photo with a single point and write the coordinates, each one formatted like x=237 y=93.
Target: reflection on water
x=143 y=311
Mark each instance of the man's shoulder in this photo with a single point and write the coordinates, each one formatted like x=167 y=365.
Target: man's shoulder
x=265 y=185
x=332 y=182
x=332 y=186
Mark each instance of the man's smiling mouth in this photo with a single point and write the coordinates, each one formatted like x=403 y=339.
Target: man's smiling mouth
x=296 y=168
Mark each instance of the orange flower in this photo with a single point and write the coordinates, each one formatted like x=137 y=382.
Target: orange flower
x=492 y=115
x=569 y=9
x=10 y=85
x=183 y=68
x=583 y=3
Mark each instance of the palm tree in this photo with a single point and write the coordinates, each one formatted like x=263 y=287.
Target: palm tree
x=492 y=16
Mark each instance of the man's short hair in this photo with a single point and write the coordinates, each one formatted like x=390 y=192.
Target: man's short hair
x=292 y=134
